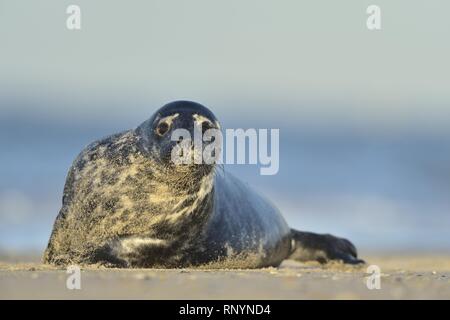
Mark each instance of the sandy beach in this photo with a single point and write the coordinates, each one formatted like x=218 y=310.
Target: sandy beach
x=412 y=276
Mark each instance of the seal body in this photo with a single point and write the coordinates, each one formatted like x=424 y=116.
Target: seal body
x=125 y=204
x=245 y=229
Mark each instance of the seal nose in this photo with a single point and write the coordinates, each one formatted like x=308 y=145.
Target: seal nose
x=189 y=146
x=206 y=125
x=195 y=124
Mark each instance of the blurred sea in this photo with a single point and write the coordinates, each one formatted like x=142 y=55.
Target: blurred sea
x=364 y=116
x=385 y=192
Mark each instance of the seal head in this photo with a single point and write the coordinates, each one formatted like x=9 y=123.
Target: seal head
x=159 y=141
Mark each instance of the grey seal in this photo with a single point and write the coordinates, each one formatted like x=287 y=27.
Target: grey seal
x=126 y=204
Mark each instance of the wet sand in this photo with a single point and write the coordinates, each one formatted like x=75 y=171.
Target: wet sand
x=413 y=276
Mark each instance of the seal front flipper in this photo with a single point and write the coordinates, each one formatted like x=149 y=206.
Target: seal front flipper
x=308 y=246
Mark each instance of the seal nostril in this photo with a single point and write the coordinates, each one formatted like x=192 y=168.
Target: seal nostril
x=206 y=125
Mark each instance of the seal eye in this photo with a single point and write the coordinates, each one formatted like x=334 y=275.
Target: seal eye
x=162 y=128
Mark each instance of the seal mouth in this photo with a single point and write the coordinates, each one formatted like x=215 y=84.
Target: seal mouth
x=199 y=170
x=186 y=177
